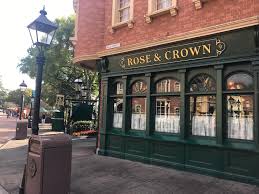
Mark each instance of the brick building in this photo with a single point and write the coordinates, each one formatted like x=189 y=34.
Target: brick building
x=179 y=81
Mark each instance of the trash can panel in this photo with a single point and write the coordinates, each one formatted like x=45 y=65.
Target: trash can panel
x=33 y=174
x=58 y=170
x=51 y=156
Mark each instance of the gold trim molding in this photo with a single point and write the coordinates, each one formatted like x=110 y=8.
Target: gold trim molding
x=238 y=24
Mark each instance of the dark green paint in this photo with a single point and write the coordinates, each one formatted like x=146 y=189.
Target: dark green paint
x=219 y=156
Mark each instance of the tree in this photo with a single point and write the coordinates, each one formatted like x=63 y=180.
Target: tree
x=14 y=96
x=59 y=71
x=3 y=93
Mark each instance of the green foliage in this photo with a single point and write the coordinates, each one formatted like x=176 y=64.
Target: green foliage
x=3 y=93
x=82 y=125
x=59 y=72
x=14 y=96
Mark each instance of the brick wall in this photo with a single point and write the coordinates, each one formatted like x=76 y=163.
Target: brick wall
x=90 y=27
x=95 y=22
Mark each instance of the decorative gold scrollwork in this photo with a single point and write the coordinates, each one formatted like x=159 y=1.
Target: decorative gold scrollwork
x=220 y=47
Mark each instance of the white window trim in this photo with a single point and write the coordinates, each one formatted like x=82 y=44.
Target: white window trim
x=152 y=12
x=115 y=16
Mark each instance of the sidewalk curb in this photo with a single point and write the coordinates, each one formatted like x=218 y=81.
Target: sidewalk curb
x=2 y=190
x=5 y=144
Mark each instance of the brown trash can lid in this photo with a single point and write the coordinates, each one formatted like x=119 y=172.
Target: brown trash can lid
x=50 y=141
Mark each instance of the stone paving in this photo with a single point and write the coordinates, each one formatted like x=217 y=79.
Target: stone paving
x=98 y=174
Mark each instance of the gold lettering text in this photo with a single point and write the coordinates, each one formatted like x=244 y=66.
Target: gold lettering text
x=142 y=59
x=195 y=50
x=206 y=48
x=167 y=55
x=130 y=63
x=184 y=52
x=176 y=54
x=148 y=60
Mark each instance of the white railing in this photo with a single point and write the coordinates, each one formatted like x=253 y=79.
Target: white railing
x=117 y=120
x=240 y=128
x=204 y=125
x=138 y=121
x=168 y=123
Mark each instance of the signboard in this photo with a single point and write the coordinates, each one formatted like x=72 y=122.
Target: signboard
x=185 y=52
x=60 y=100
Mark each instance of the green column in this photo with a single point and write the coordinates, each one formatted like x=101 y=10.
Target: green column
x=148 y=104
x=219 y=104
x=256 y=102
x=183 y=119
x=104 y=114
x=125 y=112
x=125 y=116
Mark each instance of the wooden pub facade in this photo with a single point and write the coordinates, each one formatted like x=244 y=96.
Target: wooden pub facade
x=179 y=81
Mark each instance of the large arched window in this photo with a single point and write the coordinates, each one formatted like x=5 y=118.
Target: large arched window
x=239 y=99
x=203 y=105
x=117 y=104
x=167 y=106
x=138 y=105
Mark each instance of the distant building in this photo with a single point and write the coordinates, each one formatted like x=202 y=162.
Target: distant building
x=179 y=81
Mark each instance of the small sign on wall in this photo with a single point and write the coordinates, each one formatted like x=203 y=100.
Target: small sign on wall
x=111 y=46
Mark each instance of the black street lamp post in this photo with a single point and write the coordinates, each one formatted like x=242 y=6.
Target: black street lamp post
x=42 y=32
x=23 y=87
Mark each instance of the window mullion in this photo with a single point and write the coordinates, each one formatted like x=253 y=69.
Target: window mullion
x=183 y=107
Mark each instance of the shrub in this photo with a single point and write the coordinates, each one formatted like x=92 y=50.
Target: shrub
x=82 y=126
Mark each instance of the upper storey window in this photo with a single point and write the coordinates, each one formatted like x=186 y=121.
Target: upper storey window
x=158 y=7
x=122 y=13
x=163 y=4
x=124 y=10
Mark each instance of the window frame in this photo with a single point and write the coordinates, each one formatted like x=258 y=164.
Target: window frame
x=114 y=95
x=235 y=92
x=154 y=12
x=190 y=94
x=163 y=96
x=116 y=23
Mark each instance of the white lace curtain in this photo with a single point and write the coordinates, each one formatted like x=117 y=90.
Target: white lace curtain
x=138 y=121
x=117 y=120
x=204 y=125
x=168 y=123
x=240 y=128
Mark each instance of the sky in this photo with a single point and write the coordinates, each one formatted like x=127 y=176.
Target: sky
x=15 y=15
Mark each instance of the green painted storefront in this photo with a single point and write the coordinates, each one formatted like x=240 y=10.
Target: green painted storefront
x=220 y=56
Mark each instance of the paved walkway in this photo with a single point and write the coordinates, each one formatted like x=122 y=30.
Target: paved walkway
x=105 y=175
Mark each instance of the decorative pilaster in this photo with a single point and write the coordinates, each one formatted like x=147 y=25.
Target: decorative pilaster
x=104 y=114
x=219 y=102
x=256 y=102
x=148 y=103
x=125 y=121
x=183 y=118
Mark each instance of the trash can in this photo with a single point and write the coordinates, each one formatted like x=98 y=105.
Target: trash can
x=58 y=121
x=21 y=130
x=48 y=169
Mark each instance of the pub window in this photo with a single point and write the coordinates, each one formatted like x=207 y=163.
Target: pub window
x=138 y=104
x=167 y=106
x=239 y=99
x=122 y=13
x=117 y=105
x=203 y=106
